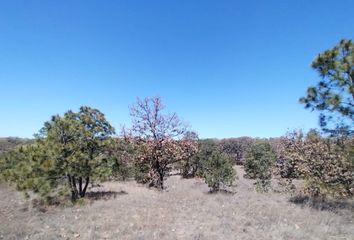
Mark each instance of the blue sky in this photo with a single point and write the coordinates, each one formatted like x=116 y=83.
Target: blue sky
x=229 y=68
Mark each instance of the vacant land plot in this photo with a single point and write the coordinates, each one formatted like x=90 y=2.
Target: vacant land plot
x=184 y=211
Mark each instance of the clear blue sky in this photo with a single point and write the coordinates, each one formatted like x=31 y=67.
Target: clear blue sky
x=229 y=68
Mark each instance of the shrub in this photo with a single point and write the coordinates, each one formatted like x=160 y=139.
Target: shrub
x=217 y=171
x=28 y=167
x=122 y=170
x=192 y=166
x=259 y=161
x=326 y=164
x=236 y=148
x=287 y=168
x=328 y=167
x=141 y=172
x=120 y=156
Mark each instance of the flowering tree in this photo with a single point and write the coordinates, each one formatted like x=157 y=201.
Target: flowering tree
x=160 y=139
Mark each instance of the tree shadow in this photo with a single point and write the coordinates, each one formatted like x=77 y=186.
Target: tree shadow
x=322 y=204
x=221 y=191
x=104 y=195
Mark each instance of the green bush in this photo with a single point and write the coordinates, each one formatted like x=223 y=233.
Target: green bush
x=259 y=161
x=122 y=170
x=141 y=172
x=30 y=168
x=120 y=157
x=217 y=171
x=236 y=148
x=192 y=167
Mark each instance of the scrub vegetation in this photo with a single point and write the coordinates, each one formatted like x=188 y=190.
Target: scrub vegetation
x=157 y=180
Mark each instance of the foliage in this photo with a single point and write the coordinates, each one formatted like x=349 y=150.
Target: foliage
x=120 y=155
x=217 y=170
x=334 y=94
x=11 y=142
x=70 y=148
x=326 y=164
x=260 y=159
x=193 y=166
x=236 y=148
x=28 y=167
x=80 y=141
x=285 y=168
x=211 y=164
x=159 y=140
x=142 y=172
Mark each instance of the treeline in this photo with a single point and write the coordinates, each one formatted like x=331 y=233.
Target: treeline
x=11 y=142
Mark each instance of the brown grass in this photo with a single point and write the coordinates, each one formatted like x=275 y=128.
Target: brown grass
x=184 y=211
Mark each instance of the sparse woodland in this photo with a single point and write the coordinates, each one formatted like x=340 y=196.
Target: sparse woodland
x=77 y=150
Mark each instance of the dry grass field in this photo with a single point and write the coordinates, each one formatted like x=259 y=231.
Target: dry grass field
x=185 y=210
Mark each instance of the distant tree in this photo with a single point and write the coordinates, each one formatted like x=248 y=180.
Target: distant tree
x=334 y=94
x=11 y=142
x=259 y=162
x=236 y=148
x=160 y=140
x=217 y=170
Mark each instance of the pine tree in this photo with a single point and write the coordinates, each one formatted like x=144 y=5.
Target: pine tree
x=71 y=149
x=334 y=94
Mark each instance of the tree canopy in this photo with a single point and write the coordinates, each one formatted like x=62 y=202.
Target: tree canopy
x=70 y=148
x=161 y=139
x=334 y=94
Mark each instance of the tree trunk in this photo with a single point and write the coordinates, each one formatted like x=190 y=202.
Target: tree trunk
x=80 y=185
x=76 y=192
x=83 y=192
x=72 y=184
x=160 y=182
x=160 y=174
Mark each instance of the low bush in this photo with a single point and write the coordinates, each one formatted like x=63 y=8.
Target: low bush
x=259 y=162
x=193 y=166
x=217 y=171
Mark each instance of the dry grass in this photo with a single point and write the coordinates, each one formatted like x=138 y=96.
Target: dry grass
x=185 y=211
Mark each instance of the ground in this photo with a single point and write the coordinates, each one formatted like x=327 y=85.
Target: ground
x=126 y=210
